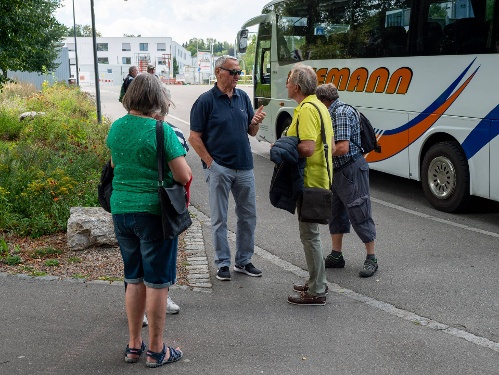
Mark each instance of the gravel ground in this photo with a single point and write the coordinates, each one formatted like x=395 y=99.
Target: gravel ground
x=50 y=255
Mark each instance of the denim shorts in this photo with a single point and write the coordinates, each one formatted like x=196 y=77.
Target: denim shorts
x=147 y=257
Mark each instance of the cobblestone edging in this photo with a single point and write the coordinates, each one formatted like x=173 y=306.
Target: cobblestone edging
x=198 y=273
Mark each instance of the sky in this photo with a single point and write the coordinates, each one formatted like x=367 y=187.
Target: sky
x=179 y=19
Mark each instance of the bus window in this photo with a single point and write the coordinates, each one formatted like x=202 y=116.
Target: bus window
x=457 y=27
x=316 y=30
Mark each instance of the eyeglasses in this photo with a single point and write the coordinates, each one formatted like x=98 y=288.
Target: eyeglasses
x=232 y=72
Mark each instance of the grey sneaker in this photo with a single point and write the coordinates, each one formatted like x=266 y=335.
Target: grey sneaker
x=248 y=269
x=370 y=267
x=171 y=307
x=223 y=273
x=145 y=322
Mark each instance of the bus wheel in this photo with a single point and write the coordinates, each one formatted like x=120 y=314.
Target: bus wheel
x=445 y=176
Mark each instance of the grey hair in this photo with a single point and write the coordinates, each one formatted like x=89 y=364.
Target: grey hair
x=131 y=69
x=327 y=92
x=168 y=96
x=304 y=77
x=145 y=94
x=221 y=60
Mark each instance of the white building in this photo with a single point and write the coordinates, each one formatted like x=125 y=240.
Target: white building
x=116 y=54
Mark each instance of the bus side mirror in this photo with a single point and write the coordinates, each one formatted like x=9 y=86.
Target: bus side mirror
x=242 y=40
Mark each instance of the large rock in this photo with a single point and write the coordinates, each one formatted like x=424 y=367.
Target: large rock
x=30 y=115
x=90 y=226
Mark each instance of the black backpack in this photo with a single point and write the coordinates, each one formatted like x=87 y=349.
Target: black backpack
x=368 y=140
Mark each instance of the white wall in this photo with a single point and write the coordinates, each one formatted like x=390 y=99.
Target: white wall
x=115 y=54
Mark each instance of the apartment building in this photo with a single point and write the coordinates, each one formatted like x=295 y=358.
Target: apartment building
x=116 y=54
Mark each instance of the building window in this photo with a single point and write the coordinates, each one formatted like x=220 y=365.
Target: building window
x=72 y=61
x=143 y=47
x=110 y=71
x=126 y=60
x=161 y=62
x=71 y=46
x=102 y=47
x=161 y=46
x=126 y=47
x=102 y=60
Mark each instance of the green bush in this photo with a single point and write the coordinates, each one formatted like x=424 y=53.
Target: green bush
x=50 y=163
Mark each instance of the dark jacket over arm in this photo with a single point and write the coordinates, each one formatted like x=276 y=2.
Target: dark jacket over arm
x=287 y=179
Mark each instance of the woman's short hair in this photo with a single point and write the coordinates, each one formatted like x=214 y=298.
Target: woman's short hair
x=327 y=92
x=304 y=77
x=145 y=94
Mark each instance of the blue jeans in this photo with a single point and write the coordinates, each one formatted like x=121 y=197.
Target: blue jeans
x=147 y=257
x=241 y=184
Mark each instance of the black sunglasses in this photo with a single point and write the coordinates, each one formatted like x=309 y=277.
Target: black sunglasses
x=232 y=72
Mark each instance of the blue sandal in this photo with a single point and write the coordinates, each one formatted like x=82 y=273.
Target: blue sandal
x=135 y=352
x=175 y=356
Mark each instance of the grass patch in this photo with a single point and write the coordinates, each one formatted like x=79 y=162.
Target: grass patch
x=46 y=252
x=110 y=278
x=52 y=263
x=51 y=162
x=12 y=260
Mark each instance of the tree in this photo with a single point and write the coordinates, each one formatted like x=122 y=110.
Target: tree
x=83 y=30
x=30 y=36
x=248 y=57
x=175 y=66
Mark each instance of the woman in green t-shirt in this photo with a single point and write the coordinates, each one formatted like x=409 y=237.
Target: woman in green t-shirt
x=149 y=260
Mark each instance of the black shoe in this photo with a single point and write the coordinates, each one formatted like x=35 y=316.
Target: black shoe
x=223 y=273
x=248 y=269
x=332 y=261
x=370 y=267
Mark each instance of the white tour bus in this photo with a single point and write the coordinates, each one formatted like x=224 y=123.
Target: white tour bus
x=425 y=73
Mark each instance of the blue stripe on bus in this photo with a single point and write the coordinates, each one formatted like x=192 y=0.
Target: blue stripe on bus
x=433 y=106
x=482 y=134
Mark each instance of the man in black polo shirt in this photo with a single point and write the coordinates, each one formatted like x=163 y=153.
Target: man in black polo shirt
x=221 y=120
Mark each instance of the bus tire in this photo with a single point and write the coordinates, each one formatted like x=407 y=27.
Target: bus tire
x=445 y=177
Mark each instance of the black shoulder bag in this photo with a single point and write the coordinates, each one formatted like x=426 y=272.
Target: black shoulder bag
x=105 y=187
x=314 y=206
x=174 y=213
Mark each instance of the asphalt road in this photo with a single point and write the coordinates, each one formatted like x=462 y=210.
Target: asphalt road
x=435 y=269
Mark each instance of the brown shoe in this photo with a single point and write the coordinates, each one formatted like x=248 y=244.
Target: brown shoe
x=304 y=288
x=307 y=300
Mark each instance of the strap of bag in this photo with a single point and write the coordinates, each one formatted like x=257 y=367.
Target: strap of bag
x=160 y=140
x=323 y=136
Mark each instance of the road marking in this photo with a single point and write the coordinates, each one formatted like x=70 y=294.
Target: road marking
x=383 y=306
x=179 y=119
x=429 y=217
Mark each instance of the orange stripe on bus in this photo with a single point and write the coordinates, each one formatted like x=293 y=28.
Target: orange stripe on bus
x=394 y=143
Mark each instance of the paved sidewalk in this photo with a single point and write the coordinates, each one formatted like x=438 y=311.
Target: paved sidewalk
x=244 y=326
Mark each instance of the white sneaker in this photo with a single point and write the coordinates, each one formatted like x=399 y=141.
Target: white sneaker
x=171 y=307
x=145 y=322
